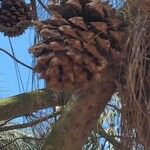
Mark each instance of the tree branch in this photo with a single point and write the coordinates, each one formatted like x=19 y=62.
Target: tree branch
x=27 y=103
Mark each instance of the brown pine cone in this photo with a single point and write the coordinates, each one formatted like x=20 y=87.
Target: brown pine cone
x=13 y=12
x=79 y=42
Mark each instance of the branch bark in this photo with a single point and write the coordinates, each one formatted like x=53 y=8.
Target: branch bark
x=80 y=116
x=27 y=103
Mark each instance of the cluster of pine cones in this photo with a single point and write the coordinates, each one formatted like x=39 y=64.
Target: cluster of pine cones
x=13 y=12
x=80 y=40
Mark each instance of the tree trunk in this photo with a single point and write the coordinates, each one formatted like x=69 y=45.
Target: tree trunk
x=80 y=116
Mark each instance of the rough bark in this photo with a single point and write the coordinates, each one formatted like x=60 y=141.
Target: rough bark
x=80 y=116
x=27 y=103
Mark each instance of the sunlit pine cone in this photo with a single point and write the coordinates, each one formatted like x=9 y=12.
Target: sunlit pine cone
x=81 y=40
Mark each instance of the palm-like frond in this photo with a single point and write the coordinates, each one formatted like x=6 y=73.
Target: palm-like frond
x=10 y=140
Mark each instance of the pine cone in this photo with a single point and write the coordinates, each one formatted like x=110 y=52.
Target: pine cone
x=80 y=41
x=13 y=12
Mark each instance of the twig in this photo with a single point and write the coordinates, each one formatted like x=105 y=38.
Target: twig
x=30 y=124
x=43 y=5
x=16 y=59
x=110 y=139
x=116 y=108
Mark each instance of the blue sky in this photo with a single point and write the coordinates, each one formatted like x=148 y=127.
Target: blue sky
x=8 y=78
